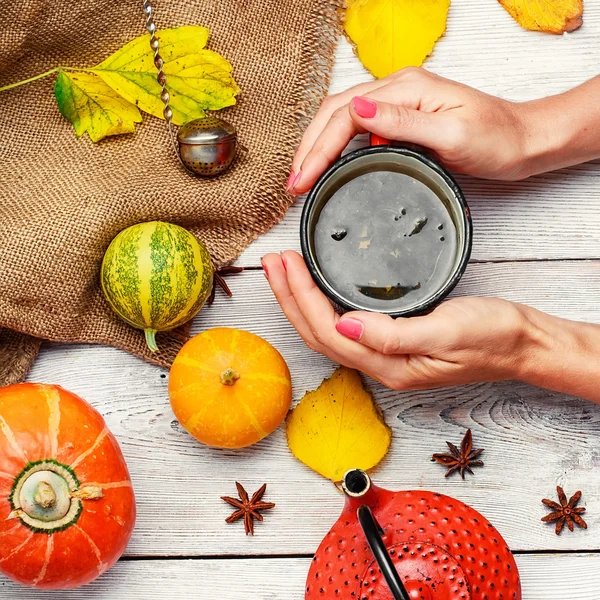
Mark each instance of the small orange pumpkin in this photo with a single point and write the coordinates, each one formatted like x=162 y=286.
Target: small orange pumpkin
x=229 y=388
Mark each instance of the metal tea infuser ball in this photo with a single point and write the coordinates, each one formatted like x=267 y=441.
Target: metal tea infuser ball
x=205 y=147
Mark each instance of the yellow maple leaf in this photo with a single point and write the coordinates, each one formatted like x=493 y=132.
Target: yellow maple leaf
x=551 y=16
x=392 y=34
x=197 y=79
x=338 y=427
x=93 y=107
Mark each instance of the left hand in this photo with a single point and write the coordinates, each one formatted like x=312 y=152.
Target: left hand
x=465 y=340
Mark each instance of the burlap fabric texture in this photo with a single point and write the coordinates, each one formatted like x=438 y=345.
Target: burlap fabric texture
x=63 y=199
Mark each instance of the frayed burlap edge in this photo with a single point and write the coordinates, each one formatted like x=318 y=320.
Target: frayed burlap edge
x=17 y=353
x=323 y=31
x=18 y=350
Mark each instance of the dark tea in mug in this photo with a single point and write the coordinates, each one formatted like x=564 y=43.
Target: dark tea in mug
x=386 y=230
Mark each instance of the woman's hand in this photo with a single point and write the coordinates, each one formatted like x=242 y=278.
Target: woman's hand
x=469 y=339
x=465 y=340
x=470 y=131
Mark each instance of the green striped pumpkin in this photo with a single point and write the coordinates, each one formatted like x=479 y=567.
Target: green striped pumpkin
x=156 y=276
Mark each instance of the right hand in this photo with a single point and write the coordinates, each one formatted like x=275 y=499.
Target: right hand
x=470 y=131
x=464 y=340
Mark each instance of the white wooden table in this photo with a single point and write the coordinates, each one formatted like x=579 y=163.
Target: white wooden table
x=536 y=242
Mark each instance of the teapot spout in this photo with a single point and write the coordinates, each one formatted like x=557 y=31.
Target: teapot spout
x=359 y=490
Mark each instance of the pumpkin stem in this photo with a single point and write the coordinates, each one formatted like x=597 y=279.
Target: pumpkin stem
x=151 y=339
x=45 y=495
x=229 y=376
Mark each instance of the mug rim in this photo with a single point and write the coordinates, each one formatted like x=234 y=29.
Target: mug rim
x=464 y=248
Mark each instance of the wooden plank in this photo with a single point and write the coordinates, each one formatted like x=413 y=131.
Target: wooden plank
x=550 y=216
x=533 y=439
x=544 y=577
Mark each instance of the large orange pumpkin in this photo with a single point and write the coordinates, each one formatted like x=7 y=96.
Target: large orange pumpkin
x=229 y=388
x=67 y=507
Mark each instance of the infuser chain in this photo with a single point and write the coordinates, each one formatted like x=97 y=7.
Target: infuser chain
x=160 y=77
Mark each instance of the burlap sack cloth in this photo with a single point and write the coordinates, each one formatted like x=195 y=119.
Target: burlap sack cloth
x=62 y=200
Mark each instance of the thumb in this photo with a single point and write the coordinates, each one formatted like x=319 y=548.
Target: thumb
x=397 y=122
x=416 y=335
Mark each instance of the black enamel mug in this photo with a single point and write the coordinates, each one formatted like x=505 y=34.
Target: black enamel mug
x=417 y=164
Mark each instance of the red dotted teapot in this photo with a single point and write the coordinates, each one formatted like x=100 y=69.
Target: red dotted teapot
x=410 y=546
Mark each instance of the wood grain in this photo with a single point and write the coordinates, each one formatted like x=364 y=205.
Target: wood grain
x=547 y=577
x=533 y=439
x=547 y=217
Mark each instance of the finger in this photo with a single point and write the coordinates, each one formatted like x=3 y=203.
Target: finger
x=416 y=335
x=334 y=137
x=344 y=124
x=277 y=278
x=322 y=319
x=398 y=122
x=312 y=303
x=323 y=115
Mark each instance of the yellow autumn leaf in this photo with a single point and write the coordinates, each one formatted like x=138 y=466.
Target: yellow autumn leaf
x=338 y=427
x=551 y=16
x=93 y=107
x=197 y=79
x=392 y=34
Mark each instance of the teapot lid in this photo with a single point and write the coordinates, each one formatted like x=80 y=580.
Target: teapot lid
x=418 y=563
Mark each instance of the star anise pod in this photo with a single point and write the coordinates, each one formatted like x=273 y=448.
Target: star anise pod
x=565 y=512
x=247 y=508
x=219 y=281
x=460 y=460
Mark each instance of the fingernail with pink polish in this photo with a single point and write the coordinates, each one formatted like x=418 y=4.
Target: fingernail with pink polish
x=265 y=270
x=296 y=181
x=351 y=328
x=290 y=181
x=367 y=109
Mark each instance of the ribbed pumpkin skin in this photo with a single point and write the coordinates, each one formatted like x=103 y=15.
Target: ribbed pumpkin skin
x=45 y=422
x=156 y=275
x=229 y=416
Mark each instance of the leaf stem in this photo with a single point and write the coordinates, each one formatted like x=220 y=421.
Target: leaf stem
x=10 y=86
